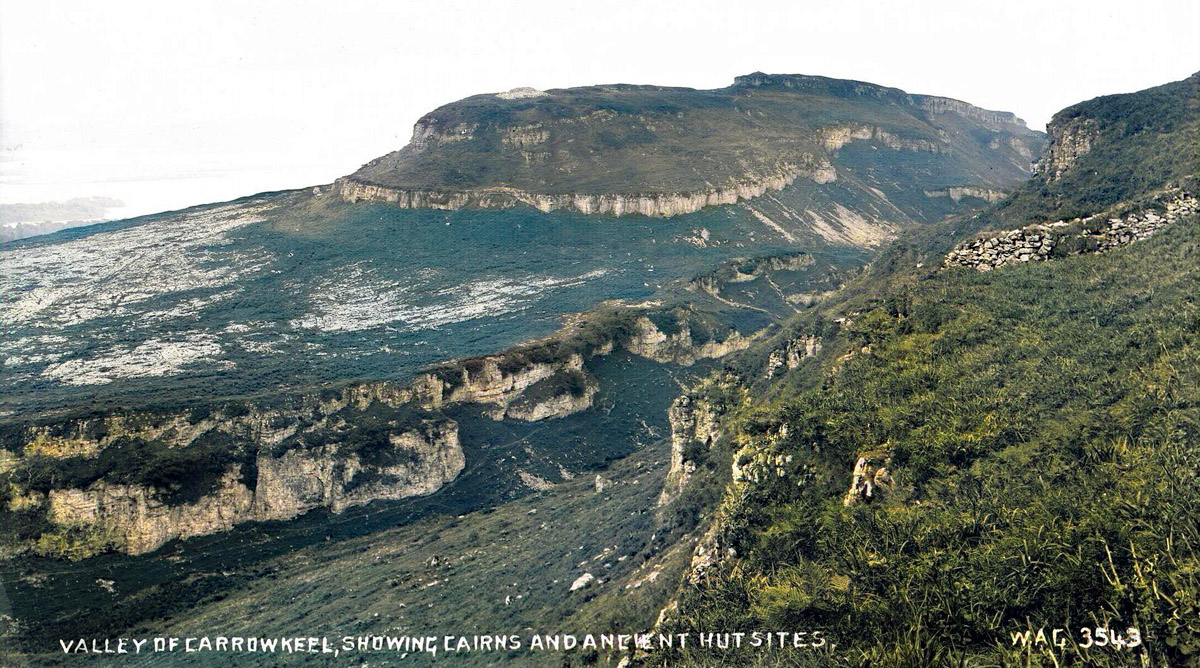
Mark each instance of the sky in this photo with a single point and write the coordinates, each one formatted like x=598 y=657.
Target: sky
x=169 y=104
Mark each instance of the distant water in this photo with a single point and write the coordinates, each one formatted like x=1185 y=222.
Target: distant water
x=241 y=299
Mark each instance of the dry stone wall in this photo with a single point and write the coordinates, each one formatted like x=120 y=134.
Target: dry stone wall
x=1093 y=234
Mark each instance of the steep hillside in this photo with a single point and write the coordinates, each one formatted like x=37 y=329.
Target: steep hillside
x=937 y=461
x=665 y=151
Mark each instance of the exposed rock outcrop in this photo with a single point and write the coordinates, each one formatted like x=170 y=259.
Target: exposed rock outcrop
x=522 y=93
x=566 y=393
x=303 y=479
x=299 y=480
x=1093 y=234
x=792 y=353
x=1069 y=140
x=489 y=380
x=679 y=347
x=659 y=205
x=870 y=480
x=583 y=581
x=837 y=136
x=139 y=521
x=957 y=193
x=694 y=426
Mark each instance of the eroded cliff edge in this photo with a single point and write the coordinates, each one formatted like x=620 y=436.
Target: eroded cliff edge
x=132 y=481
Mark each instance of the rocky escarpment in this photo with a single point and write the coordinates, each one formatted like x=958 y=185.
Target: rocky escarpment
x=681 y=346
x=957 y=193
x=1093 y=234
x=137 y=519
x=516 y=389
x=549 y=379
x=658 y=205
x=136 y=481
x=133 y=481
x=836 y=136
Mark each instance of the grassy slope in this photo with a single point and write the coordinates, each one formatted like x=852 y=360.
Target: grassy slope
x=1042 y=421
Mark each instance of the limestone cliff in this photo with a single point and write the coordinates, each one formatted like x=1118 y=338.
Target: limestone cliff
x=791 y=353
x=133 y=481
x=659 y=205
x=1069 y=139
x=681 y=347
x=517 y=389
x=957 y=193
x=139 y=518
x=694 y=427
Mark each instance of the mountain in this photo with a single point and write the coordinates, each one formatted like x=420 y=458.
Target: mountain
x=985 y=436
x=306 y=409
x=666 y=151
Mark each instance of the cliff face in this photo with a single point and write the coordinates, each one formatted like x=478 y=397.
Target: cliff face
x=694 y=426
x=836 y=136
x=658 y=205
x=1069 y=140
x=792 y=353
x=139 y=519
x=957 y=193
x=135 y=481
x=522 y=392
x=680 y=347
x=300 y=479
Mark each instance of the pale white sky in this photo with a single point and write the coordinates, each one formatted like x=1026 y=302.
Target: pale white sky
x=167 y=104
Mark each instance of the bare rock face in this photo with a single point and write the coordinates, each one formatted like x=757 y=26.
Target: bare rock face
x=957 y=193
x=680 y=348
x=871 y=479
x=140 y=521
x=532 y=391
x=655 y=205
x=793 y=353
x=534 y=408
x=836 y=136
x=694 y=424
x=1068 y=141
x=299 y=480
x=521 y=93
x=711 y=551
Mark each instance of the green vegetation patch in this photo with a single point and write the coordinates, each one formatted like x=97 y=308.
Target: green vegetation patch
x=1040 y=421
x=180 y=475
